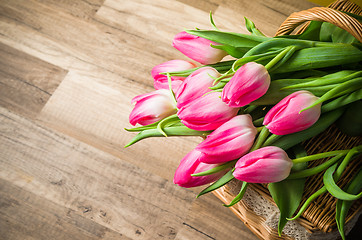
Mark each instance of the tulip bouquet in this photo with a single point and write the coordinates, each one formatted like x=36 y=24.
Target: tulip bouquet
x=255 y=109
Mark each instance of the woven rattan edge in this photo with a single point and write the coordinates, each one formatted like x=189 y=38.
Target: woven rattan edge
x=251 y=220
x=258 y=225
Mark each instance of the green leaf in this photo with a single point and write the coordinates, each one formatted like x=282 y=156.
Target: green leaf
x=219 y=183
x=237 y=40
x=239 y=196
x=251 y=28
x=170 y=131
x=212 y=22
x=342 y=206
x=321 y=57
x=339 y=90
x=310 y=33
x=329 y=79
x=254 y=58
x=342 y=101
x=278 y=43
x=287 y=194
x=350 y=122
x=333 y=188
x=336 y=177
x=232 y=51
x=331 y=33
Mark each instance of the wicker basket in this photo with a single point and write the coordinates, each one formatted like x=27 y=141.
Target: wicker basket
x=257 y=209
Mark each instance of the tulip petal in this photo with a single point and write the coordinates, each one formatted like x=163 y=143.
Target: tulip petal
x=190 y=164
x=198 y=48
x=265 y=165
x=286 y=118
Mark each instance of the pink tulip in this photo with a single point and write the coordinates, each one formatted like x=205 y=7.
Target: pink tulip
x=196 y=85
x=198 y=48
x=206 y=113
x=152 y=107
x=161 y=81
x=228 y=142
x=250 y=82
x=285 y=117
x=190 y=164
x=265 y=165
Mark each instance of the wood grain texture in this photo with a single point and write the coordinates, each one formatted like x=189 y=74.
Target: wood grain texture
x=26 y=82
x=68 y=71
x=107 y=189
x=24 y=215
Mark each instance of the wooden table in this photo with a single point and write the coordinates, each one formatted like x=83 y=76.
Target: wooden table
x=68 y=71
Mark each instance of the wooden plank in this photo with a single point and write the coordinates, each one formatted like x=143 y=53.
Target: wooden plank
x=96 y=185
x=25 y=215
x=83 y=9
x=207 y=5
x=149 y=17
x=29 y=41
x=266 y=14
x=97 y=114
x=107 y=44
x=74 y=112
x=26 y=82
x=202 y=223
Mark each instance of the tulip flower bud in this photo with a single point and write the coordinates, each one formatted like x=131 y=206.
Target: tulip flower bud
x=152 y=107
x=228 y=142
x=198 y=48
x=285 y=117
x=206 y=113
x=190 y=164
x=161 y=81
x=196 y=85
x=250 y=82
x=264 y=165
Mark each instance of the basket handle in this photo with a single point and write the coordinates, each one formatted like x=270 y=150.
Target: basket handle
x=323 y=14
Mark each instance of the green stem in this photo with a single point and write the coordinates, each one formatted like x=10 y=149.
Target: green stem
x=256 y=58
x=278 y=57
x=215 y=169
x=261 y=138
x=309 y=200
x=170 y=131
x=258 y=122
x=333 y=78
x=239 y=196
x=342 y=101
x=250 y=108
x=163 y=123
x=336 y=176
x=259 y=129
x=271 y=139
x=170 y=88
x=334 y=189
x=346 y=160
x=319 y=156
x=347 y=87
x=312 y=171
